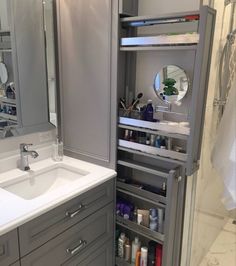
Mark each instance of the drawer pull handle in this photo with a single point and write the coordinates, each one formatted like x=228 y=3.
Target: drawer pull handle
x=2 y=250
x=73 y=251
x=73 y=214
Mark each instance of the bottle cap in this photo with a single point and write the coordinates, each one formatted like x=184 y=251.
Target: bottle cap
x=164 y=186
x=153 y=212
x=149 y=101
x=144 y=252
x=140 y=218
x=122 y=235
x=136 y=240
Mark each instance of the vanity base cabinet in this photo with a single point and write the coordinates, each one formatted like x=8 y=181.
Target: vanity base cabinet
x=68 y=248
x=47 y=226
x=9 y=252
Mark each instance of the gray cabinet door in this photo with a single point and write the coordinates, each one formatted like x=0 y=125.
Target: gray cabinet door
x=9 y=252
x=96 y=229
x=40 y=230
x=88 y=45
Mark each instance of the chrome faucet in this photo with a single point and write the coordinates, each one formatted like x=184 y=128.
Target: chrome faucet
x=24 y=153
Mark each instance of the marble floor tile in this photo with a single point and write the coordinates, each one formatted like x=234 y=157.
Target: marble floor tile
x=223 y=250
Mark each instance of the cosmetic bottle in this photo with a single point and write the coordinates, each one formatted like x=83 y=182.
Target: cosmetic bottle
x=153 y=225
x=158 y=142
x=160 y=220
x=126 y=135
x=163 y=144
x=152 y=140
x=152 y=253
x=116 y=243
x=158 y=255
x=57 y=150
x=149 y=111
x=135 y=214
x=136 y=244
x=121 y=245
x=142 y=138
x=138 y=257
x=127 y=252
x=163 y=190
x=144 y=256
x=148 y=141
x=139 y=218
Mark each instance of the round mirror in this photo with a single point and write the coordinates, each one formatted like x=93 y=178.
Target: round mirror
x=3 y=73
x=171 y=84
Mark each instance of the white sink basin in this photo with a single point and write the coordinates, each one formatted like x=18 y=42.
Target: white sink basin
x=35 y=184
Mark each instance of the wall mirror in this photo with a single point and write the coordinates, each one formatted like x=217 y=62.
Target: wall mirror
x=171 y=84
x=27 y=67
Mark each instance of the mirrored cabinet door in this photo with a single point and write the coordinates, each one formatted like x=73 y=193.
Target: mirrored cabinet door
x=27 y=67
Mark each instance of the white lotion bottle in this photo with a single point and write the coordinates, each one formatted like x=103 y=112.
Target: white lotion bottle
x=135 y=248
x=121 y=245
x=144 y=256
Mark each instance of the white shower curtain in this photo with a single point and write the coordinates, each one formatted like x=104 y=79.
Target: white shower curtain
x=224 y=152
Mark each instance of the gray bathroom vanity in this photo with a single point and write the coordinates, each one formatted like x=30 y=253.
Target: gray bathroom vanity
x=79 y=232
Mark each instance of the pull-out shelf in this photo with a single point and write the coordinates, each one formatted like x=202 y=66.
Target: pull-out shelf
x=161 y=40
x=141 y=230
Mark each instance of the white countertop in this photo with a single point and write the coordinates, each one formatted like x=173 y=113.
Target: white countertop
x=15 y=211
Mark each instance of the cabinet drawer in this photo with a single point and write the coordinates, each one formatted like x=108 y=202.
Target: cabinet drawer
x=70 y=245
x=40 y=230
x=96 y=256
x=9 y=252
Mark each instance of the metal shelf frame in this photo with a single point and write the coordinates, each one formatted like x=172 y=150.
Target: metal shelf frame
x=155 y=199
x=141 y=230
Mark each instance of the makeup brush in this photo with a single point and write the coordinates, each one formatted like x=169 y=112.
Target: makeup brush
x=139 y=96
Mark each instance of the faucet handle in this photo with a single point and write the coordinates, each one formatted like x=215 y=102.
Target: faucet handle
x=24 y=146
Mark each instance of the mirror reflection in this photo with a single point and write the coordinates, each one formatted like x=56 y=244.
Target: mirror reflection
x=50 y=57
x=27 y=67
x=171 y=84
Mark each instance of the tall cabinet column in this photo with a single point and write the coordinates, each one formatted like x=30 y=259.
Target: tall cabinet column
x=88 y=44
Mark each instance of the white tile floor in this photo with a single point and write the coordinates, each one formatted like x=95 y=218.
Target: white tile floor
x=223 y=250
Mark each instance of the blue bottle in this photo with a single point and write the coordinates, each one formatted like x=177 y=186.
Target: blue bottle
x=149 y=111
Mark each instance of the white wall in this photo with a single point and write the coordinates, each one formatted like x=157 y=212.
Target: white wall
x=153 y=7
x=11 y=145
x=3 y=15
